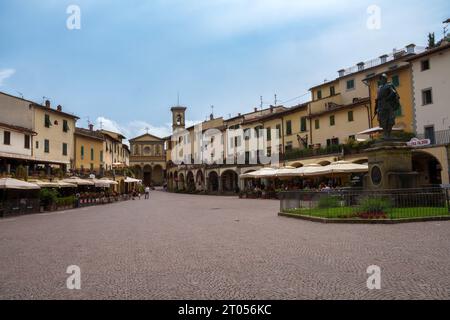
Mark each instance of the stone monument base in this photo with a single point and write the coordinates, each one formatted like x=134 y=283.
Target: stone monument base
x=390 y=166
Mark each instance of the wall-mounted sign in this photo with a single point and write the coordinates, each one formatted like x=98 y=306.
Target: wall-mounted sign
x=419 y=142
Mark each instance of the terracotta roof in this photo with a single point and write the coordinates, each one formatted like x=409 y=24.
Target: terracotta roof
x=90 y=134
x=17 y=128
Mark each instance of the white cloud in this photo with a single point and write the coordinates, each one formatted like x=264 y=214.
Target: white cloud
x=5 y=74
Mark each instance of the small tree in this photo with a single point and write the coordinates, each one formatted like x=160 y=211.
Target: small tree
x=431 y=40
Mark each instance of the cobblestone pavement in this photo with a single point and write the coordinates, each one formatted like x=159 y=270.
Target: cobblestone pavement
x=199 y=247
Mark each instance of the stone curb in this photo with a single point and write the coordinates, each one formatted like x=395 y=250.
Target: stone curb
x=363 y=221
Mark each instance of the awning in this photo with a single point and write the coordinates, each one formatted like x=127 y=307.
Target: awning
x=78 y=181
x=111 y=182
x=14 y=184
x=100 y=183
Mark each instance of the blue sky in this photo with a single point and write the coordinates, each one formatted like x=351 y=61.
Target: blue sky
x=127 y=63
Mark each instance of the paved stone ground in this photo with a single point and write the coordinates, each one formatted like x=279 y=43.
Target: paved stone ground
x=200 y=247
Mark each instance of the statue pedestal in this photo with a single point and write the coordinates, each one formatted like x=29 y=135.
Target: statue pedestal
x=390 y=166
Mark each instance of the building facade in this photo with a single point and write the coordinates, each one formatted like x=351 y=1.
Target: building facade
x=89 y=151
x=148 y=159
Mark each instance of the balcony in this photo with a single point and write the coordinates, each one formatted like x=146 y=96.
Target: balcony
x=298 y=154
x=440 y=137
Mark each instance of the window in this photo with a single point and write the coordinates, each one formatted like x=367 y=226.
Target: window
x=92 y=154
x=303 y=127
x=332 y=142
x=65 y=126
x=288 y=147
x=319 y=94
x=47 y=122
x=395 y=81
x=92 y=167
x=269 y=151
x=37 y=144
x=317 y=124
x=288 y=127
x=247 y=134
x=351 y=84
x=332 y=91
x=46 y=146
x=64 y=149
x=82 y=153
x=425 y=65
x=352 y=138
x=427 y=97
x=278 y=127
x=7 y=138
x=27 y=142
x=350 y=116
x=430 y=134
x=269 y=134
x=101 y=156
x=332 y=120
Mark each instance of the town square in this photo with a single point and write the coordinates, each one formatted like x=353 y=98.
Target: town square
x=202 y=154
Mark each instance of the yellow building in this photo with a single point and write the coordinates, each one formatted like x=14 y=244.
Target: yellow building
x=89 y=151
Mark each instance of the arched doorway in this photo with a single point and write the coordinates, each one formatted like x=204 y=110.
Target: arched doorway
x=200 y=181
x=158 y=175
x=170 y=182
x=175 y=181
x=213 y=182
x=147 y=178
x=181 y=185
x=230 y=181
x=428 y=167
x=190 y=182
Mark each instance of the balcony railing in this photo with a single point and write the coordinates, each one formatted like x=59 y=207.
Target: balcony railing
x=297 y=154
x=440 y=137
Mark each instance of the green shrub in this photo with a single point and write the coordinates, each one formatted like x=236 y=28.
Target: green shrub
x=328 y=202
x=380 y=205
x=66 y=201
x=48 y=196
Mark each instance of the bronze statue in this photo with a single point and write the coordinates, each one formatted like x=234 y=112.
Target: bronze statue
x=387 y=104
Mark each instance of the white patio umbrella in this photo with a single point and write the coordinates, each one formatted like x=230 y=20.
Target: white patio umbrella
x=100 y=183
x=132 y=180
x=78 y=181
x=376 y=130
x=14 y=184
x=347 y=167
x=54 y=184
x=260 y=174
x=111 y=182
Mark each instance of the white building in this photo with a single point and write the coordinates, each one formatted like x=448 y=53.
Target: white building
x=15 y=143
x=431 y=93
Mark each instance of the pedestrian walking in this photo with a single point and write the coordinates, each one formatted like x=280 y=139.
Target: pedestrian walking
x=147 y=192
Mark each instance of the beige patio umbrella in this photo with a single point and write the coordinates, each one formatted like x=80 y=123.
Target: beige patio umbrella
x=78 y=181
x=347 y=167
x=14 y=184
x=111 y=182
x=132 y=180
x=101 y=183
x=260 y=174
x=54 y=184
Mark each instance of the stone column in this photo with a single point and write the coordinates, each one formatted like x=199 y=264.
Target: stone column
x=220 y=184
x=8 y=168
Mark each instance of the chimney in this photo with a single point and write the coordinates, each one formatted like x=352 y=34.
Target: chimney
x=271 y=109
x=59 y=108
x=47 y=103
x=256 y=109
x=410 y=49
x=91 y=127
x=383 y=58
x=360 y=66
x=211 y=117
x=341 y=72
x=239 y=114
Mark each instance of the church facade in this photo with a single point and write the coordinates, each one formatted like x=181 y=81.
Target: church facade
x=148 y=159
